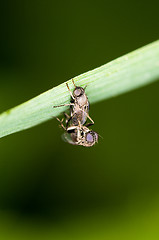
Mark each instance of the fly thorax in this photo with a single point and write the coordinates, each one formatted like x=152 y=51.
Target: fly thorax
x=82 y=100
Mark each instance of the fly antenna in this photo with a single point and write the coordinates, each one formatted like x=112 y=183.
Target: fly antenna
x=74 y=83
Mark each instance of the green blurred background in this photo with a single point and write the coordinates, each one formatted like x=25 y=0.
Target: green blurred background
x=48 y=188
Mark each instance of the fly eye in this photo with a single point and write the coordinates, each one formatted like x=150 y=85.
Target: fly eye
x=89 y=138
x=77 y=92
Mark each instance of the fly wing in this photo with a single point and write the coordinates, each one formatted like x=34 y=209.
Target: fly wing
x=67 y=138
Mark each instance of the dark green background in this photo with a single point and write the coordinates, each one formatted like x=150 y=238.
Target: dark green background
x=48 y=188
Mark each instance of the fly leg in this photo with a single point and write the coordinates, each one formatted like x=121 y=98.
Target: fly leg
x=61 y=123
x=64 y=105
x=89 y=124
x=68 y=118
x=92 y=122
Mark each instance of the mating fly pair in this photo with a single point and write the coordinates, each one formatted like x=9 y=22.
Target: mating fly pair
x=76 y=132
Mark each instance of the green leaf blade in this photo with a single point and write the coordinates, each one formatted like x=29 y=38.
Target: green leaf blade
x=124 y=74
